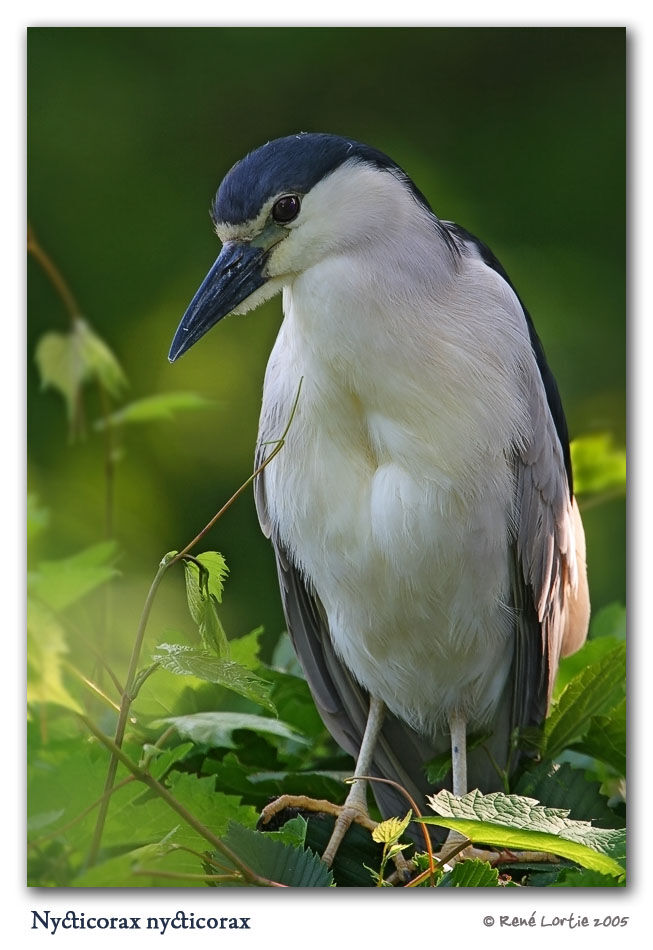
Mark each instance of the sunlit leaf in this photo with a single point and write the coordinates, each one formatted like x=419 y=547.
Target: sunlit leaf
x=598 y=465
x=61 y=583
x=189 y=661
x=606 y=738
x=46 y=649
x=217 y=728
x=390 y=830
x=519 y=823
x=68 y=360
x=218 y=570
x=592 y=692
x=154 y=408
x=159 y=761
x=245 y=650
x=609 y=621
x=203 y=592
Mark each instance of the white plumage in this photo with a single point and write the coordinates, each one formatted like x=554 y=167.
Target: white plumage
x=429 y=549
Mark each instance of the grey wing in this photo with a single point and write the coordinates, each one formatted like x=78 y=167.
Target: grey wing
x=549 y=577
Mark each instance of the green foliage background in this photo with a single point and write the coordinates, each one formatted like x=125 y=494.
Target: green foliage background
x=517 y=134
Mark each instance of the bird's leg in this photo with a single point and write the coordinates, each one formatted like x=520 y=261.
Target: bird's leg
x=354 y=808
x=355 y=805
x=458 y=729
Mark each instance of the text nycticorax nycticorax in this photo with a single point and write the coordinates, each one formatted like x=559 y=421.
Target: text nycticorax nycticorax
x=430 y=553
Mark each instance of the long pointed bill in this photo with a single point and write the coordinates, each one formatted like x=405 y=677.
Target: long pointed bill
x=236 y=274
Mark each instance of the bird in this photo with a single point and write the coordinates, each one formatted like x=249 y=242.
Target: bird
x=429 y=547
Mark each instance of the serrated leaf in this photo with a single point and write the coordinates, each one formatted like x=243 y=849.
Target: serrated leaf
x=189 y=661
x=276 y=861
x=153 y=408
x=46 y=649
x=473 y=873
x=120 y=870
x=61 y=583
x=217 y=728
x=562 y=786
x=390 y=830
x=606 y=739
x=519 y=823
x=203 y=592
x=293 y=832
x=216 y=565
x=575 y=877
x=592 y=692
x=591 y=652
x=597 y=464
x=159 y=761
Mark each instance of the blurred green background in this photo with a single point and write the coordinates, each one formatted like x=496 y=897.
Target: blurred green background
x=517 y=134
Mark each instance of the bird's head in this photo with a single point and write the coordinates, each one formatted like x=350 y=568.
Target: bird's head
x=286 y=206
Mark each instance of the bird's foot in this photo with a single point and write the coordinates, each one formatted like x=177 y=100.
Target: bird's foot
x=319 y=806
x=345 y=815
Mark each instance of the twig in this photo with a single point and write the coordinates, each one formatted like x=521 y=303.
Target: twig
x=127 y=696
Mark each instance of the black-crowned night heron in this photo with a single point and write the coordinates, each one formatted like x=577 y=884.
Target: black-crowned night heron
x=430 y=552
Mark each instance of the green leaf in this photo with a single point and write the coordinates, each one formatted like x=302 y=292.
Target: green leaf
x=391 y=830
x=188 y=661
x=61 y=583
x=580 y=877
x=592 y=692
x=245 y=649
x=160 y=761
x=519 y=823
x=590 y=653
x=606 y=739
x=204 y=592
x=46 y=649
x=609 y=621
x=68 y=360
x=293 y=832
x=472 y=873
x=218 y=570
x=217 y=728
x=153 y=408
x=598 y=465
x=136 y=819
x=277 y=861
x=562 y=786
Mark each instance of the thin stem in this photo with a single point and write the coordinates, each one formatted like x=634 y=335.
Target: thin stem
x=109 y=461
x=54 y=274
x=36 y=842
x=142 y=776
x=127 y=695
x=124 y=711
x=90 y=685
x=413 y=805
x=278 y=445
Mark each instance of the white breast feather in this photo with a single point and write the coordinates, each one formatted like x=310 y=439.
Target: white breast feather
x=395 y=490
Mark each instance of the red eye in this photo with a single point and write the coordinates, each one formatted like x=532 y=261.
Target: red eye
x=286 y=209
